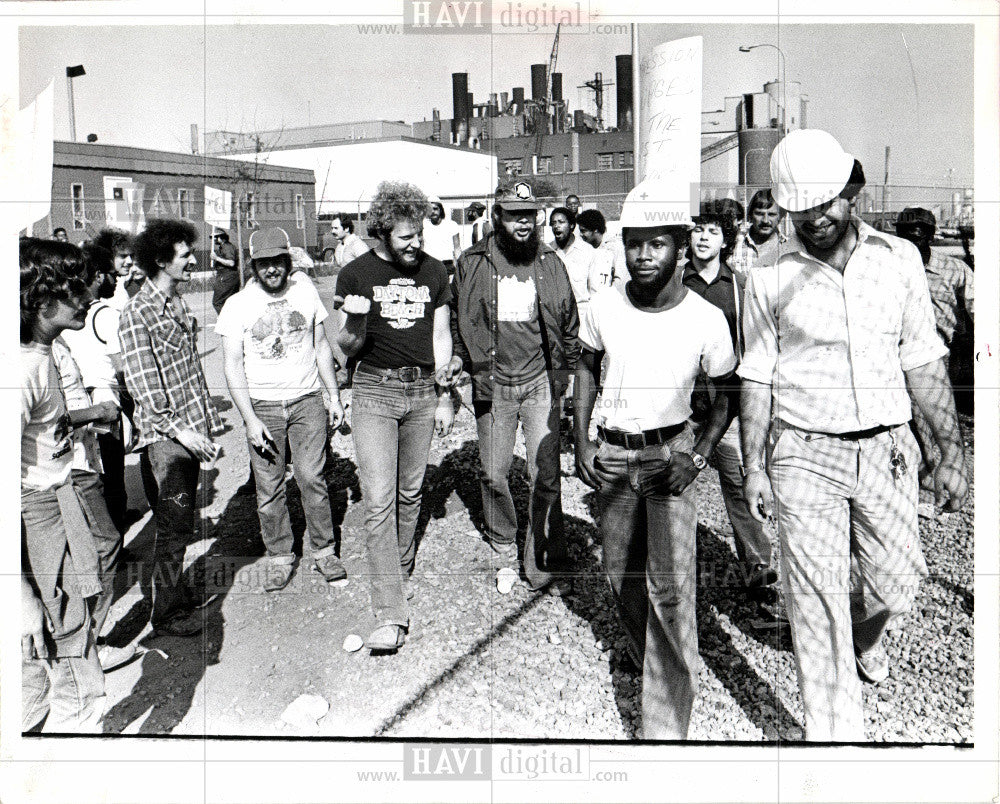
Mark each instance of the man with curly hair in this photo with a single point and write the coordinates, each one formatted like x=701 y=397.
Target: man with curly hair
x=517 y=326
x=174 y=412
x=69 y=545
x=395 y=322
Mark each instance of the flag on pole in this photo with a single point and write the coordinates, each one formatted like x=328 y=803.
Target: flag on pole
x=218 y=208
x=30 y=186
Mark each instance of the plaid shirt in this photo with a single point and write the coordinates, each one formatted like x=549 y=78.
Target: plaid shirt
x=162 y=369
x=747 y=254
x=835 y=346
x=951 y=285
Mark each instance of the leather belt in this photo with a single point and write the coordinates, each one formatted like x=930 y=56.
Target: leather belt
x=647 y=438
x=859 y=435
x=404 y=374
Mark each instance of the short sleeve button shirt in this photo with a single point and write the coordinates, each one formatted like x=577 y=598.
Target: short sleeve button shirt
x=834 y=346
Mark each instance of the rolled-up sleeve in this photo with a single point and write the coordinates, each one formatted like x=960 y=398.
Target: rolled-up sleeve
x=760 y=331
x=919 y=342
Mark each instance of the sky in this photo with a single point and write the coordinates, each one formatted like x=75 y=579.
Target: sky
x=146 y=85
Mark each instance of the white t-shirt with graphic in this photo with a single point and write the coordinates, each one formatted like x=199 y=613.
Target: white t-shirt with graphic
x=46 y=446
x=279 y=350
x=653 y=358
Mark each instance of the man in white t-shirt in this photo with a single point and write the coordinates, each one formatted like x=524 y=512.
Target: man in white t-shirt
x=97 y=351
x=277 y=362
x=657 y=336
x=442 y=236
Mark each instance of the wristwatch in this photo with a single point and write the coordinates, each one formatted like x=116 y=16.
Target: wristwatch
x=751 y=467
x=698 y=461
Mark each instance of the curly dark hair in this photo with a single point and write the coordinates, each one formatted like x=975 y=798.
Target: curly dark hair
x=50 y=270
x=855 y=182
x=395 y=201
x=114 y=240
x=721 y=212
x=593 y=220
x=158 y=240
x=99 y=259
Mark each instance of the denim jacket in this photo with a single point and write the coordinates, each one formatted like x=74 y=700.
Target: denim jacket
x=474 y=323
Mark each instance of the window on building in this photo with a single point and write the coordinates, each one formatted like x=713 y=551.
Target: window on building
x=79 y=214
x=300 y=212
x=184 y=202
x=565 y=164
x=250 y=210
x=545 y=164
x=605 y=161
x=625 y=159
x=512 y=167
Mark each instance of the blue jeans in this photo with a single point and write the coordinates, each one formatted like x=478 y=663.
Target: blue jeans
x=170 y=478
x=304 y=422
x=649 y=557
x=68 y=688
x=393 y=423
x=496 y=421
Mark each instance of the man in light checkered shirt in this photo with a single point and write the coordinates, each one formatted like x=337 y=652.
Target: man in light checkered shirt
x=760 y=243
x=840 y=342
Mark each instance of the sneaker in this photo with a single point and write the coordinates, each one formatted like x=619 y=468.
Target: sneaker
x=330 y=567
x=277 y=575
x=873 y=664
x=505 y=550
x=111 y=658
x=770 y=616
x=183 y=625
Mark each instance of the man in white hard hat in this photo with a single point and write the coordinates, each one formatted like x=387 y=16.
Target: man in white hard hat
x=657 y=336
x=840 y=341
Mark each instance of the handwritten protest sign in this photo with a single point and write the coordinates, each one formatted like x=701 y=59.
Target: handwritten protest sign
x=670 y=116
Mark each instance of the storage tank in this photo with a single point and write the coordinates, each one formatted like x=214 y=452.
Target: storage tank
x=793 y=98
x=755 y=148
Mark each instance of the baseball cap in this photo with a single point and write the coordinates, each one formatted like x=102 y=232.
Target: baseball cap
x=653 y=203
x=519 y=195
x=917 y=216
x=268 y=243
x=808 y=168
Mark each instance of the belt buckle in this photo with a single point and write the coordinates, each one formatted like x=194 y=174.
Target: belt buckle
x=635 y=440
x=409 y=374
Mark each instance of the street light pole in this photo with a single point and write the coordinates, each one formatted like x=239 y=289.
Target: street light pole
x=71 y=73
x=784 y=84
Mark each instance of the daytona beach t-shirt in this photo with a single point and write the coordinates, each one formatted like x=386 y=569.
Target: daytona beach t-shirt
x=400 y=328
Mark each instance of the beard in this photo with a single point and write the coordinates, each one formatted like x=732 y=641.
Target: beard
x=516 y=251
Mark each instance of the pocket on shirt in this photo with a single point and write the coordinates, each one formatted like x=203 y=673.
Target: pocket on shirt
x=171 y=337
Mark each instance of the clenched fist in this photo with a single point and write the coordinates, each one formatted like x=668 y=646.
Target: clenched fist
x=356 y=305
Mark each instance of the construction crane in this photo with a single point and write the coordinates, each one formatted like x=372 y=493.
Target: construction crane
x=541 y=115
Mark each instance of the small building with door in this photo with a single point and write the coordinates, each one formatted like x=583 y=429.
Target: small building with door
x=96 y=185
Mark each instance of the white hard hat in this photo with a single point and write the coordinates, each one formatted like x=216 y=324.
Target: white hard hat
x=653 y=203
x=808 y=168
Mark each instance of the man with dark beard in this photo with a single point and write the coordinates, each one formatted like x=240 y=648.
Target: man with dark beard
x=517 y=326
x=277 y=362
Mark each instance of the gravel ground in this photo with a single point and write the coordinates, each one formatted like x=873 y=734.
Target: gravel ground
x=478 y=664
